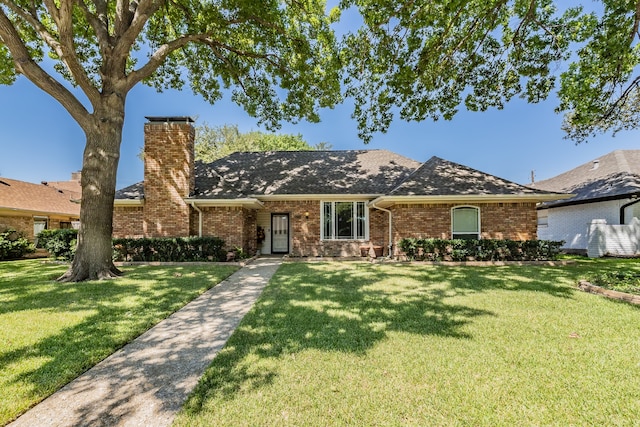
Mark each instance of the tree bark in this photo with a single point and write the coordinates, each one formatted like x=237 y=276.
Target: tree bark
x=93 y=258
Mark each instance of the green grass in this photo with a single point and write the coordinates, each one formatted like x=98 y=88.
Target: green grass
x=51 y=332
x=361 y=344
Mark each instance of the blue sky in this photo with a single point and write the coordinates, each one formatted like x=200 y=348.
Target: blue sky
x=40 y=141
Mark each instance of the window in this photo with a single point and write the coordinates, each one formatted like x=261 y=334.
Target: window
x=465 y=222
x=344 y=221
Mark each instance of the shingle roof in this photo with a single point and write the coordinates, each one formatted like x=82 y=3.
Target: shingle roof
x=350 y=172
x=247 y=174
x=614 y=175
x=439 y=177
x=20 y=195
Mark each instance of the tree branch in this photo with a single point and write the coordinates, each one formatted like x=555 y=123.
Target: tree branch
x=26 y=65
x=128 y=31
x=67 y=52
x=158 y=57
x=100 y=24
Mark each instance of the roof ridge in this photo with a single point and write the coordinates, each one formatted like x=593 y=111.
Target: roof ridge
x=621 y=158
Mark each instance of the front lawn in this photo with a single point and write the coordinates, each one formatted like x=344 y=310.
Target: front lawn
x=361 y=344
x=51 y=332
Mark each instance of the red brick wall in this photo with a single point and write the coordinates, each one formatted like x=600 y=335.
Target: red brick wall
x=226 y=223
x=516 y=221
x=168 y=178
x=249 y=232
x=128 y=221
x=22 y=224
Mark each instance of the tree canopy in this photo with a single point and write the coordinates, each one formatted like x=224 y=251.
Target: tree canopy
x=424 y=60
x=219 y=141
x=279 y=60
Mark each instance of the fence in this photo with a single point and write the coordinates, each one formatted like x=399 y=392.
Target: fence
x=618 y=240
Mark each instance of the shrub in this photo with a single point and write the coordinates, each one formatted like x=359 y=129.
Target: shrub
x=61 y=243
x=479 y=250
x=14 y=245
x=168 y=249
x=622 y=281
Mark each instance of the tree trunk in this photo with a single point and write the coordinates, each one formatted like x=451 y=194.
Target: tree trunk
x=93 y=258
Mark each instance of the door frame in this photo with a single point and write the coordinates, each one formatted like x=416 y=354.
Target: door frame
x=288 y=232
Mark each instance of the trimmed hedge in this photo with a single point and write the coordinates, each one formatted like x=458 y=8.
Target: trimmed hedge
x=14 y=245
x=61 y=243
x=480 y=250
x=165 y=249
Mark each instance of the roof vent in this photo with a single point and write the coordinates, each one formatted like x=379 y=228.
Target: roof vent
x=596 y=164
x=44 y=183
x=4 y=183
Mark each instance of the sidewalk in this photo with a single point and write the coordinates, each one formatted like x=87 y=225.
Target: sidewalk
x=147 y=382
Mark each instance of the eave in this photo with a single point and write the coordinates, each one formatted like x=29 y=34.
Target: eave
x=592 y=200
x=305 y=197
x=386 y=201
x=247 y=202
x=4 y=210
x=128 y=202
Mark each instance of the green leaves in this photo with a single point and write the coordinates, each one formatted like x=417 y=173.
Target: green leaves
x=7 y=71
x=423 y=60
x=599 y=91
x=216 y=142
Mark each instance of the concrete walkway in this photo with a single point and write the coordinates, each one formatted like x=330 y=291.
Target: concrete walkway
x=147 y=382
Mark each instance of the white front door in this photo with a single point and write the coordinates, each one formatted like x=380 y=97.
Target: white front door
x=280 y=233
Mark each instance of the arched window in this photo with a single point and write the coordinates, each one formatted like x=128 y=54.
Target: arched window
x=465 y=222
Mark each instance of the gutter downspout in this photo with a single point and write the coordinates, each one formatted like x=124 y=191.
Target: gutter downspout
x=373 y=205
x=193 y=205
x=623 y=207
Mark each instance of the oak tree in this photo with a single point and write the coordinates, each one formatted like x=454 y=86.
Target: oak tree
x=425 y=59
x=277 y=57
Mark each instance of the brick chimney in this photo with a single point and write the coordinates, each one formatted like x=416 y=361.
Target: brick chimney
x=168 y=175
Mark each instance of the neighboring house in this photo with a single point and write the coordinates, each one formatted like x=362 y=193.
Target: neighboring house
x=30 y=208
x=315 y=203
x=606 y=192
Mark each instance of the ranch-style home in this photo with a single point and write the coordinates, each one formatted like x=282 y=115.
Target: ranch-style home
x=30 y=208
x=315 y=203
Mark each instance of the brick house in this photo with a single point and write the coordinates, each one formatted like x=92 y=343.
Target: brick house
x=30 y=208
x=315 y=203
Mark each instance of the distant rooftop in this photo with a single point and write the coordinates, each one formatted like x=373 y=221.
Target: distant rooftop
x=615 y=175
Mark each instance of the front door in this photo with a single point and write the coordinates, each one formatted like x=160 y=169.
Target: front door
x=280 y=233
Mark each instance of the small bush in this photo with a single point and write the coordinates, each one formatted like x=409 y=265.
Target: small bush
x=61 y=243
x=14 y=245
x=479 y=250
x=167 y=249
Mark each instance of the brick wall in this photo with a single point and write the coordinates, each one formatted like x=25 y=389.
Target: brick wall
x=22 y=224
x=168 y=178
x=516 y=221
x=128 y=221
x=226 y=223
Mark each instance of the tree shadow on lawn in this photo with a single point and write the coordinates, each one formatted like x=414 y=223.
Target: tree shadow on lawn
x=351 y=307
x=334 y=308
x=118 y=310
